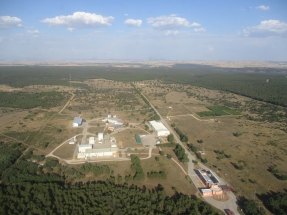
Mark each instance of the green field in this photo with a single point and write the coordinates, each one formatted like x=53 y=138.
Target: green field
x=218 y=111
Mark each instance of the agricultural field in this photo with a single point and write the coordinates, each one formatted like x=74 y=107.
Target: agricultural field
x=217 y=111
x=233 y=131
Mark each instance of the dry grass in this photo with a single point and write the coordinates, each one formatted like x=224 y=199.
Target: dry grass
x=66 y=151
x=175 y=176
x=252 y=146
x=127 y=137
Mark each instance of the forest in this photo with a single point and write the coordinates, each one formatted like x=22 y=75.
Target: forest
x=29 y=188
x=250 y=82
x=31 y=100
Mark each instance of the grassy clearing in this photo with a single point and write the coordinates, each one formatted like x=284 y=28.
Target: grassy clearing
x=66 y=151
x=218 y=111
x=176 y=179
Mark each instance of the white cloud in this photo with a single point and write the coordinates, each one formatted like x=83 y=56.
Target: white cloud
x=265 y=29
x=195 y=24
x=79 y=20
x=133 y=22
x=126 y=14
x=263 y=7
x=9 y=22
x=33 y=32
x=171 y=33
x=169 y=22
x=199 y=29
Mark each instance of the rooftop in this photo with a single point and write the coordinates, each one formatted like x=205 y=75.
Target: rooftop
x=78 y=120
x=158 y=126
x=102 y=150
x=209 y=176
x=85 y=146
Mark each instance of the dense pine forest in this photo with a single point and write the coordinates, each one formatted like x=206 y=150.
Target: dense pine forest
x=250 y=82
x=33 y=184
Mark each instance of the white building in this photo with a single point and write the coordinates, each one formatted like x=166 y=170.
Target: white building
x=91 y=140
x=111 y=120
x=77 y=121
x=83 y=147
x=160 y=129
x=102 y=152
x=100 y=137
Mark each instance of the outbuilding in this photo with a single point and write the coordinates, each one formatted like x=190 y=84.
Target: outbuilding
x=91 y=140
x=100 y=137
x=77 y=122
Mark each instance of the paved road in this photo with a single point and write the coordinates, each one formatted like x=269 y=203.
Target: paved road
x=231 y=203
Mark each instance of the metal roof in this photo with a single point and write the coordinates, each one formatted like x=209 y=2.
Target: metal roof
x=209 y=177
x=158 y=126
x=78 y=120
x=102 y=150
x=85 y=146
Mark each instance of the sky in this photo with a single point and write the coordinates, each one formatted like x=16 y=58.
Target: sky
x=44 y=30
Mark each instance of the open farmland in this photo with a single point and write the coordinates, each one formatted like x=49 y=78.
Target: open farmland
x=255 y=144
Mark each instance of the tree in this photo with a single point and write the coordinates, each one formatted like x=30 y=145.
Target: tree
x=170 y=138
x=250 y=207
x=169 y=156
x=119 y=178
x=161 y=153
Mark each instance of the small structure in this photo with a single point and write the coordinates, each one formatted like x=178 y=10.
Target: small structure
x=138 y=139
x=115 y=126
x=77 y=122
x=91 y=140
x=111 y=119
x=113 y=142
x=208 y=177
x=160 y=129
x=211 y=182
x=100 y=137
x=83 y=147
x=71 y=143
x=206 y=192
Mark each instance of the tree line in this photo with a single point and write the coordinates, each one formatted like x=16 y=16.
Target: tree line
x=31 y=100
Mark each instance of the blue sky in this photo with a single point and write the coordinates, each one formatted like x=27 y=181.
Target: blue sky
x=143 y=30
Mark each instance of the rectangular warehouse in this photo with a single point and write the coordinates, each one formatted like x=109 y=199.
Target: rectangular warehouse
x=83 y=147
x=160 y=129
x=102 y=152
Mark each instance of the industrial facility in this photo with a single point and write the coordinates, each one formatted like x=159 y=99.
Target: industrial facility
x=160 y=129
x=98 y=147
